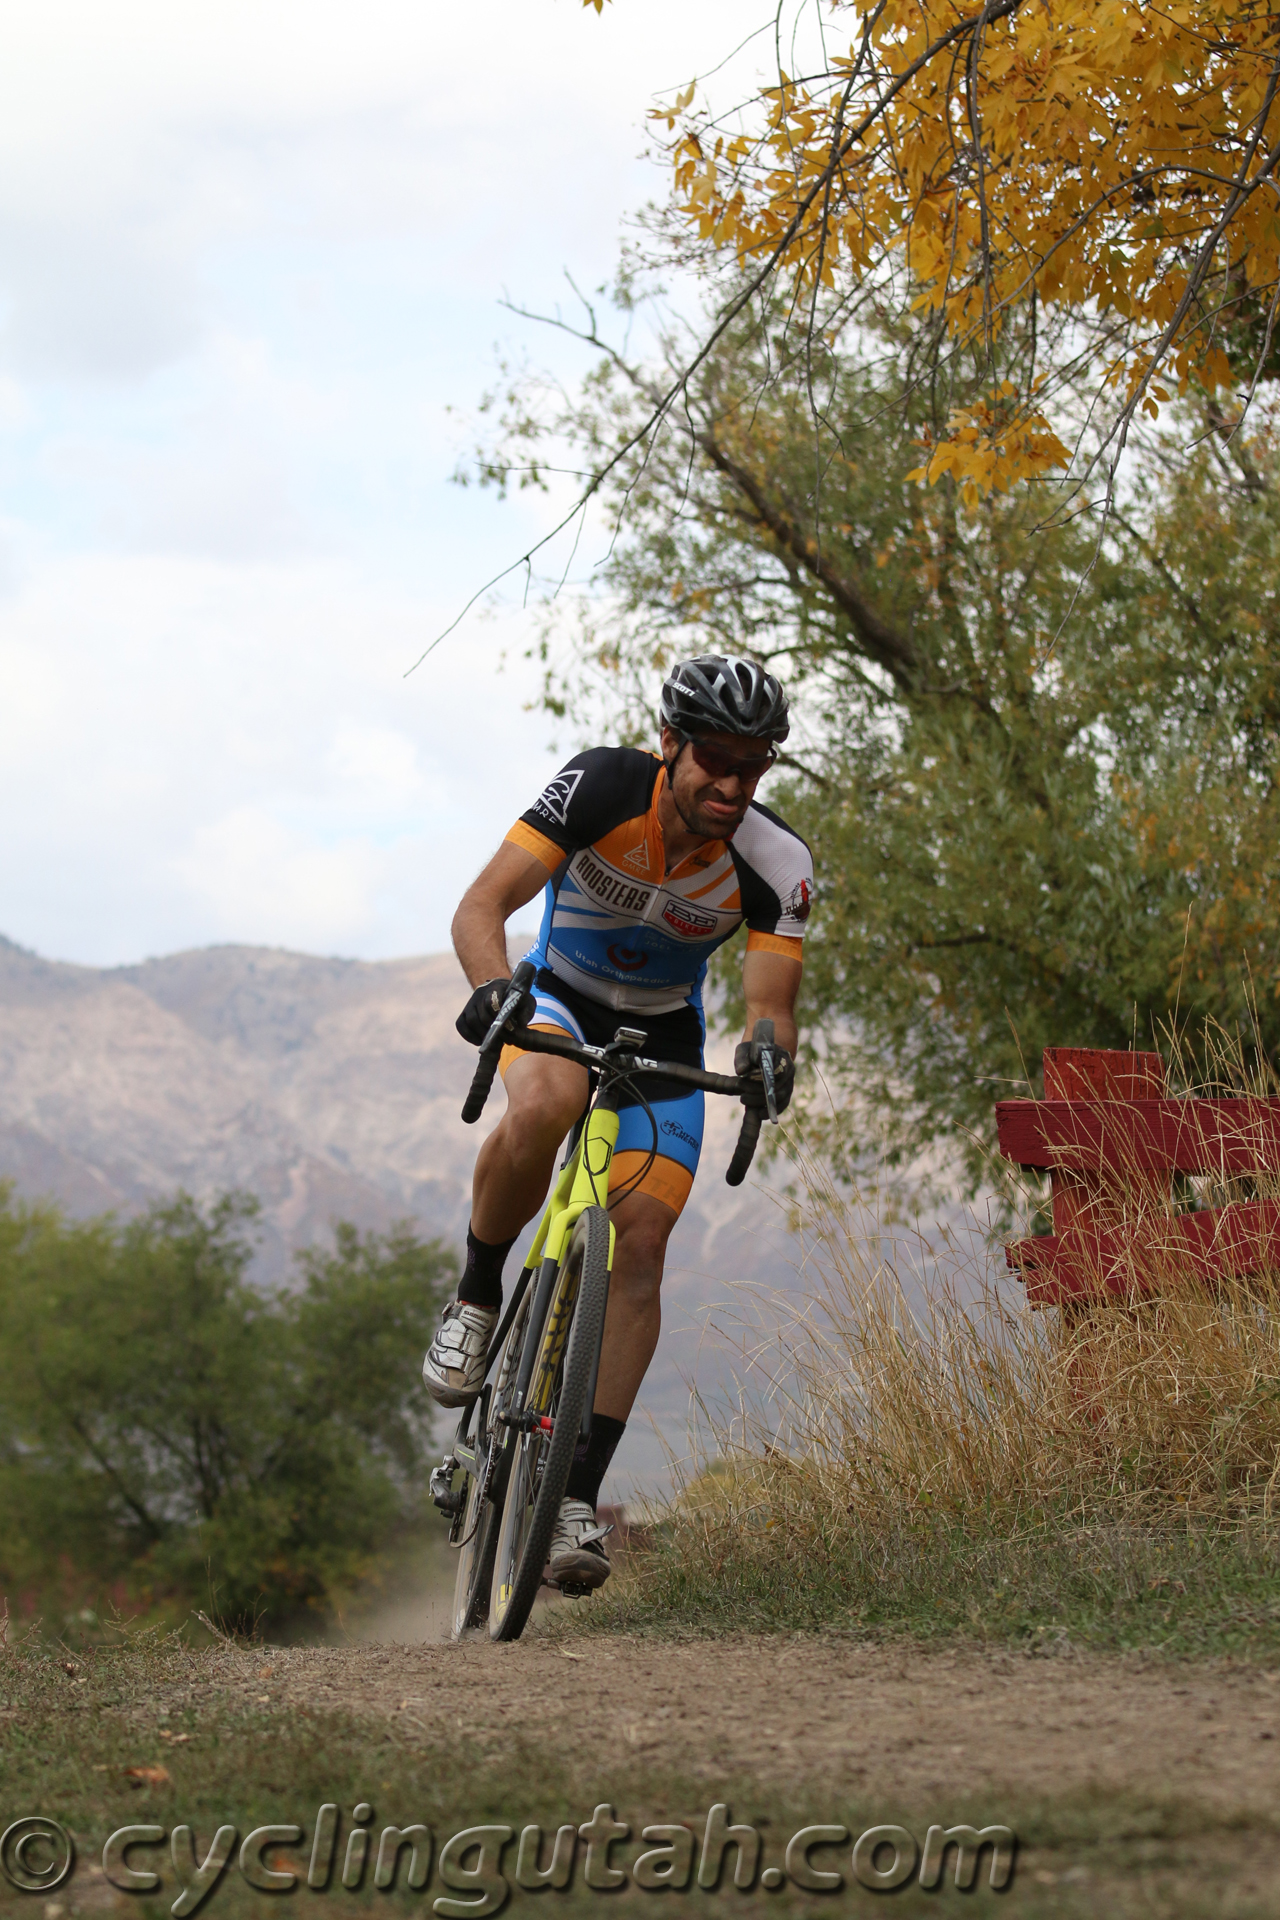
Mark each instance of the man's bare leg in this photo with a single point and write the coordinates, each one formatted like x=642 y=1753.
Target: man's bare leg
x=513 y=1172
x=634 y=1319
x=631 y=1328
x=514 y=1166
x=512 y=1176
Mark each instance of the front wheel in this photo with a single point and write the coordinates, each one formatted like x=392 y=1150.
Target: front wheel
x=477 y=1531
x=558 y=1389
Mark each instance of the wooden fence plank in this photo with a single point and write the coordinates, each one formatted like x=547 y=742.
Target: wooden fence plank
x=1208 y=1246
x=1101 y=1073
x=1235 y=1136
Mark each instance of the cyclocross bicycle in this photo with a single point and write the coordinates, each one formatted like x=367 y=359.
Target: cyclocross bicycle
x=515 y=1442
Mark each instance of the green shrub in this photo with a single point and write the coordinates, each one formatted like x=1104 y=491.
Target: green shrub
x=169 y=1431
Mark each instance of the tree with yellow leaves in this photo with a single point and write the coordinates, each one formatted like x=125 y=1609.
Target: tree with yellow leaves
x=1114 y=161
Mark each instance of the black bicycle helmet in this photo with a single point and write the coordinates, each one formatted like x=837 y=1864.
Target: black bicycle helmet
x=719 y=694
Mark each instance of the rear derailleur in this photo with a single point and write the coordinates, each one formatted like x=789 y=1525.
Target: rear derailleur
x=449 y=1500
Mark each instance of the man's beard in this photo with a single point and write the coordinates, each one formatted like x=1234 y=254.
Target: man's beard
x=708 y=829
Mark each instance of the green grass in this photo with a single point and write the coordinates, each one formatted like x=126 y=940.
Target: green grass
x=1179 y=1590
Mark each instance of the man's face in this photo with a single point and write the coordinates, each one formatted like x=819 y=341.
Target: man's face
x=711 y=805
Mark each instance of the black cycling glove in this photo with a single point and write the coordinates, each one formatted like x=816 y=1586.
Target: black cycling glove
x=482 y=1009
x=746 y=1060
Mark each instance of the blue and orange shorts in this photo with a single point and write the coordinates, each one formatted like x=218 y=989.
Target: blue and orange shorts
x=677 y=1111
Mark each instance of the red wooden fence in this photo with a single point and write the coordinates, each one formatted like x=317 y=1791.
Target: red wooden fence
x=1112 y=1139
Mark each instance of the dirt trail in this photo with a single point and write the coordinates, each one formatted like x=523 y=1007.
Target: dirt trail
x=890 y=1719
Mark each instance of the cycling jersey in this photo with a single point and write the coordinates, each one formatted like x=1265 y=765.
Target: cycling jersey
x=616 y=925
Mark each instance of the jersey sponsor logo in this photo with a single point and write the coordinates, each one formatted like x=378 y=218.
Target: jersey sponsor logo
x=799 y=901
x=687 y=920
x=638 y=858
x=627 y=959
x=554 y=800
x=609 y=887
x=673 y=1129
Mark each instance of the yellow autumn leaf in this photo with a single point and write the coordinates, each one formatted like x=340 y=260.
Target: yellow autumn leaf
x=1107 y=159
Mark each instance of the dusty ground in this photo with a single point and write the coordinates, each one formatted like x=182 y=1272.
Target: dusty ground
x=1135 y=1787
x=888 y=1719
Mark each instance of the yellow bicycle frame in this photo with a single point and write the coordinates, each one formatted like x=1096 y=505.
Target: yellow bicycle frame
x=583 y=1182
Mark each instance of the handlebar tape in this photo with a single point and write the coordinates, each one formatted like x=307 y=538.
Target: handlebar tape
x=491 y=1051
x=744 y=1152
x=482 y=1081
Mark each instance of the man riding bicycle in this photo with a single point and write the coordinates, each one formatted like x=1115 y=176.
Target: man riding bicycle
x=648 y=865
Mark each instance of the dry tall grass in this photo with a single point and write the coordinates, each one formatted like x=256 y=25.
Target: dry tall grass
x=948 y=1395
x=895 y=1411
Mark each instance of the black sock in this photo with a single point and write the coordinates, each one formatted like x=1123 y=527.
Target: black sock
x=481 y=1282
x=591 y=1460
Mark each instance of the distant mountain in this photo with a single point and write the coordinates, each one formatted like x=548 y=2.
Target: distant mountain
x=329 y=1088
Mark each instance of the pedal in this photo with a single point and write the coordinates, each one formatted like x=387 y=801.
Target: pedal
x=571 y=1591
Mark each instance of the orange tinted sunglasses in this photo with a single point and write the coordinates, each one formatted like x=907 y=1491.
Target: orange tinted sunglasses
x=719 y=764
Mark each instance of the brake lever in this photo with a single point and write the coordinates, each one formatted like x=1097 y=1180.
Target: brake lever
x=770 y=1087
x=515 y=994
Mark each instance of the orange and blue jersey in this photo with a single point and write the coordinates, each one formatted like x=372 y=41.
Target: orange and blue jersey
x=617 y=927
x=622 y=936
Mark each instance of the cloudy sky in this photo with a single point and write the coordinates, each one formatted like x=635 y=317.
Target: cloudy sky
x=250 y=254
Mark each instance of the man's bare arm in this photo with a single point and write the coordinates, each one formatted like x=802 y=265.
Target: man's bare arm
x=771 y=982
x=509 y=882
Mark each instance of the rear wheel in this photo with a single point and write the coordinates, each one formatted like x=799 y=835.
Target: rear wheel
x=540 y=1461
x=479 y=1537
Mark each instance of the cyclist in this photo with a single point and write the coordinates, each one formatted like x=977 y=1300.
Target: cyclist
x=648 y=864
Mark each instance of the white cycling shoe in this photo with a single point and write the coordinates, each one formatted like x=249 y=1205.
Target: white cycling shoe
x=578 y=1561
x=454 y=1368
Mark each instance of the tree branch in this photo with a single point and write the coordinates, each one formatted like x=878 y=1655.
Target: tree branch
x=889 y=649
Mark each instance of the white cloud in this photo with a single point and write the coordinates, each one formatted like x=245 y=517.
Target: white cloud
x=248 y=254
x=191 y=752
x=377 y=767
x=251 y=872
x=93 y=302
x=171 y=130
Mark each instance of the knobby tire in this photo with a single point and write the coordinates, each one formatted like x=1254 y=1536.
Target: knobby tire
x=528 y=1521
x=475 y=1561
x=480 y=1521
